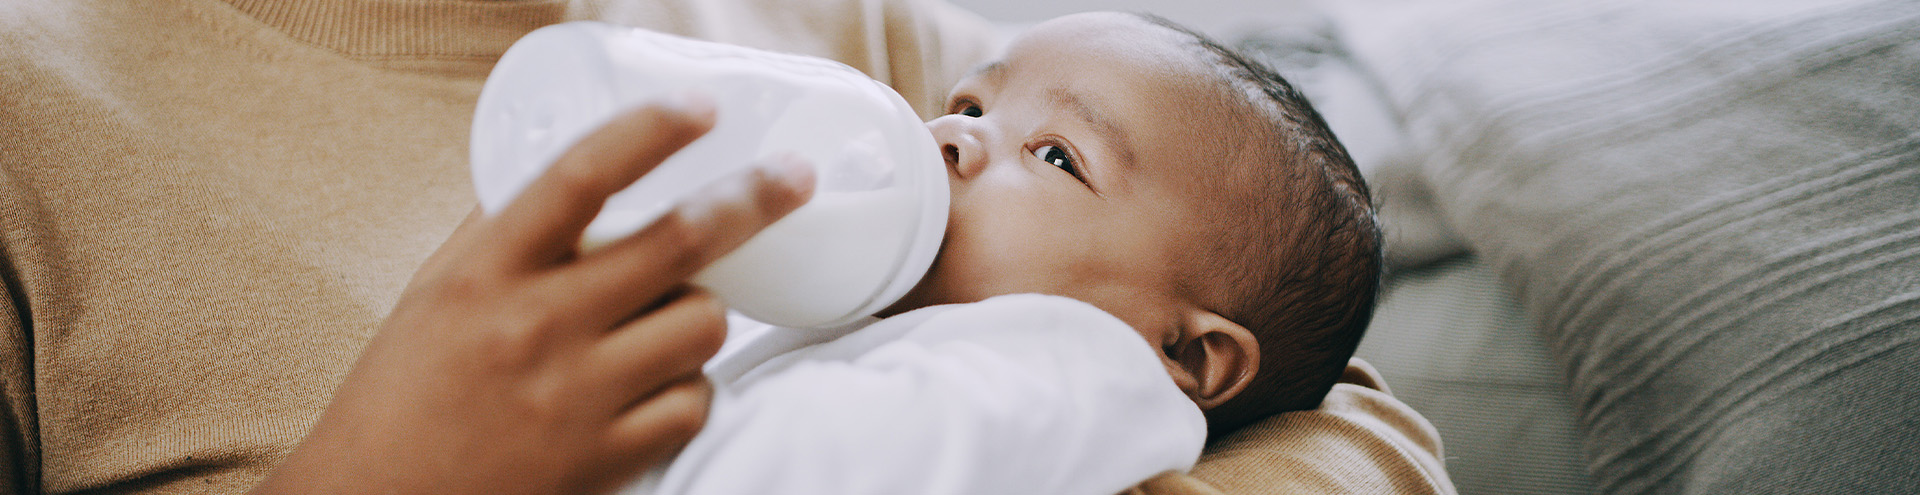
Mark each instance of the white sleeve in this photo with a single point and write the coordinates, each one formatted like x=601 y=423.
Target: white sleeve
x=1016 y=394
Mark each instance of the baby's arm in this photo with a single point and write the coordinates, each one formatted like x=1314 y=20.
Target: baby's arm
x=1018 y=394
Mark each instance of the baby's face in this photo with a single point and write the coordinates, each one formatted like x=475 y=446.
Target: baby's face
x=1077 y=166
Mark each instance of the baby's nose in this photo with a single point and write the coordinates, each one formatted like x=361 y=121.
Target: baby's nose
x=961 y=143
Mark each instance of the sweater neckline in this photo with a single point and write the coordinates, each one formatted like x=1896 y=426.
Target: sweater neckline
x=407 y=29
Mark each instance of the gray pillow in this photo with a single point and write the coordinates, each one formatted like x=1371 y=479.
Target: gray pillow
x=1709 y=209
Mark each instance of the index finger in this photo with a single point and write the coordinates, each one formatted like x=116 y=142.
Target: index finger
x=543 y=225
x=628 y=276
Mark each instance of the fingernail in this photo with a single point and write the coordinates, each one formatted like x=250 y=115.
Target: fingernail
x=793 y=172
x=693 y=101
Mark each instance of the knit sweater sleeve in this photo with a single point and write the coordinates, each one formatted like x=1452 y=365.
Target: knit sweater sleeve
x=19 y=437
x=19 y=458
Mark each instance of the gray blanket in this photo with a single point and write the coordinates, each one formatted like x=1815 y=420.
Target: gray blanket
x=1709 y=209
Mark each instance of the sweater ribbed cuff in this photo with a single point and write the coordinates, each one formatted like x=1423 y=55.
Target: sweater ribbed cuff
x=402 y=29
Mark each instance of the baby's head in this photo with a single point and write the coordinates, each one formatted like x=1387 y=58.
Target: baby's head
x=1140 y=167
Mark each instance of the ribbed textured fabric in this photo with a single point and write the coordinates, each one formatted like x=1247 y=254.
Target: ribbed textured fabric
x=1361 y=440
x=1455 y=346
x=379 y=29
x=1708 y=209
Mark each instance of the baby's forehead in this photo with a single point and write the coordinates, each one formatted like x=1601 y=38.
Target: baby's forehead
x=1121 y=53
x=1109 y=37
x=1169 y=95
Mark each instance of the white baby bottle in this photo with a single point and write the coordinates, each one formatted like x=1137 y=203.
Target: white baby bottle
x=879 y=208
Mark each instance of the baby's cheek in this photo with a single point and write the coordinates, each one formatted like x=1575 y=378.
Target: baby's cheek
x=995 y=245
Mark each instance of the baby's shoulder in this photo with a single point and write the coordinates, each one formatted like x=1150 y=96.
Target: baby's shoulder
x=1036 y=326
x=1028 y=310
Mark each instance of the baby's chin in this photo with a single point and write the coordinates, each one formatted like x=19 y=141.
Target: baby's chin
x=954 y=277
x=935 y=287
x=947 y=283
x=920 y=296
x=931 y=291
x=941 y=287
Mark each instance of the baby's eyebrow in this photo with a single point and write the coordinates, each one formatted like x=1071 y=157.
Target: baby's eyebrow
x=990 y=70
x=1115 y=135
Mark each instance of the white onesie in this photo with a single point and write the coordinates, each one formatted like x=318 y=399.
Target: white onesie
x=1015 y=394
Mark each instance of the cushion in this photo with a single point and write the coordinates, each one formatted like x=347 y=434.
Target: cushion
x=1455 y=346
x=1707 y=209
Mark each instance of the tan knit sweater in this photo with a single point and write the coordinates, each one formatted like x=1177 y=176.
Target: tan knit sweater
x=207 y=207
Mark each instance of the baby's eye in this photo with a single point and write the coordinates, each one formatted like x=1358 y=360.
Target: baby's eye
x=965 y=106
x=1058 y=157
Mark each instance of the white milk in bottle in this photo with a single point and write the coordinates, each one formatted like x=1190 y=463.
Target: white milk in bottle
x=880 y=203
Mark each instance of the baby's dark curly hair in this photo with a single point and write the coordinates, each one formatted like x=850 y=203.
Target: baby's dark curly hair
x=1297 y=257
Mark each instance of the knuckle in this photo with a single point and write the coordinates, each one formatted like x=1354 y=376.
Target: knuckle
x=520 y=338
x=681 y=237
x=545 y=397
x=672 y=230
x=574 y=179
x=511 y=347
x=468 y=285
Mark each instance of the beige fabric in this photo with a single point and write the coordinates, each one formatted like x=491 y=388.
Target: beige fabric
x=1360 y=441
x=206 y=208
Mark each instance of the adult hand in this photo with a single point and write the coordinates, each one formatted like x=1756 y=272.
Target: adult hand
x=515 y=364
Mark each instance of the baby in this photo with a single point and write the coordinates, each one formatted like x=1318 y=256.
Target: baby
x=1146 y=185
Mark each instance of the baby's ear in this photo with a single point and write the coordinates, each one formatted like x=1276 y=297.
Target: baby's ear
x=1213 y=358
